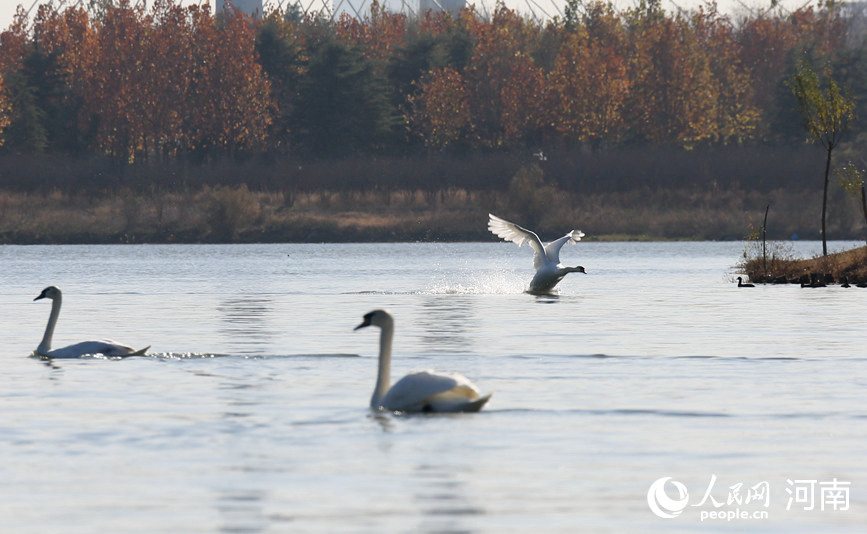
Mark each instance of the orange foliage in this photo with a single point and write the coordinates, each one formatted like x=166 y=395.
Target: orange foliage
x=441 y=112
x=173 y=79
x=228 y=90
x=589 y=86
x=500 y=69
x=4 y=109
x=379 y=34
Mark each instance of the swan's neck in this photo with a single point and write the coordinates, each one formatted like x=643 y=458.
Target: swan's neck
x=383 y=379
x=567 y=270
x=45 y=346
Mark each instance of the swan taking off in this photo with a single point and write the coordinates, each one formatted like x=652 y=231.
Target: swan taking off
x=425 y=391
x=105 y=347
x=546 y=260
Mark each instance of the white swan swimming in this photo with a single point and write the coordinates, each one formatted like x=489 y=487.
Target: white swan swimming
x=105 y=347
x=425 y=391
x=546 y=260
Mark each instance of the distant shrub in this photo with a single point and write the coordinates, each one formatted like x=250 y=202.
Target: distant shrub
x=529 y=197
x=776 y=259
x=231 y=210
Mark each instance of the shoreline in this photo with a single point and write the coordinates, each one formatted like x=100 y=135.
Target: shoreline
x=780 y=267
x=240 y=215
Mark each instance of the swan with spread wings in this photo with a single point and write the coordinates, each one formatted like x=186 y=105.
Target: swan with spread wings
x=549 y=270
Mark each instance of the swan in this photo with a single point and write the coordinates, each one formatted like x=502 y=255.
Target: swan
x=742 y=284
x=103 y=346
x=546 y=260
x=424 y=391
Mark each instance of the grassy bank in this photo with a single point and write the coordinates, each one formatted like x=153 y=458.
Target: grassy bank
x=240 y=215
x=778 y=265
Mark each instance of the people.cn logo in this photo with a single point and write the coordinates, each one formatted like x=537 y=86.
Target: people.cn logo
x=661 y=504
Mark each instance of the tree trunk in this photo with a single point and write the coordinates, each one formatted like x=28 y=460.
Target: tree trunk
x=864 y=203
x=825 y=200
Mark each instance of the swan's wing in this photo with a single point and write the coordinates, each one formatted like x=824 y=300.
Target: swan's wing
x=552 y=249
x=430 y=391
x=105 y=347
x=518 y=235
x=475 y=405
x=450 y=402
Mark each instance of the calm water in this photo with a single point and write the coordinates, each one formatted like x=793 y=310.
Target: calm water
x=250 y=415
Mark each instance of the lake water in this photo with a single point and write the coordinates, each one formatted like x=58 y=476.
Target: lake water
x=251 y=412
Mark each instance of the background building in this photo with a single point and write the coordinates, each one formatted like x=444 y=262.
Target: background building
x=248 y=7
x=441 y=5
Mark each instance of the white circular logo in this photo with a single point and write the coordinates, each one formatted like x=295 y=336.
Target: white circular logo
x=661 y=504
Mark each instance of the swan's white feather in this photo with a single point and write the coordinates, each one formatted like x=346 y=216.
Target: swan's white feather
x=519 y=235
x=423 y=391
x=105 y=347
x=544 y=254
x=552 y=249
x=546 y=259
x=430 y=391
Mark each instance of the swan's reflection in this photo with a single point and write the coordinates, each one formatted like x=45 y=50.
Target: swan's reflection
x=245 y=323
x=440 y=489
x=383 y=419
x=546 y=298
x=444 y=499
x=241 y=510
x=446 y=322
x=56 y=370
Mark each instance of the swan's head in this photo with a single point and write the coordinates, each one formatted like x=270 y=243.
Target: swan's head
x=380 y=318
x=579 y=269
x=50 y=292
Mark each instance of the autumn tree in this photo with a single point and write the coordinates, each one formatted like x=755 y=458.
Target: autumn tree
x=764 y=45
x=827 y=113
x=43 y=96
x=66 y=40
x=23 y=66
x=120 y=73
x=172 y=80
x=377 y=35
x=4 y=110
x=441 y=109
x=672 y=98
x=25 y=131
x=282 y=56
x=165 y=54
x=433 y=44
x=506 y=85
x=736 y=117
x=229 y=95
x=589 y=83
x=767 y=43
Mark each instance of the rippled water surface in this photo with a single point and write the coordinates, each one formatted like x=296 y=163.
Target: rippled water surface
x=250 y=412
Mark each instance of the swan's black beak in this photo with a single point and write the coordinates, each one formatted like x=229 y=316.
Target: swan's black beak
x=41 y=296
x=366 y=322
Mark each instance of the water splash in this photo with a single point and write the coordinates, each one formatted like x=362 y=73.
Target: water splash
x=478 y=283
